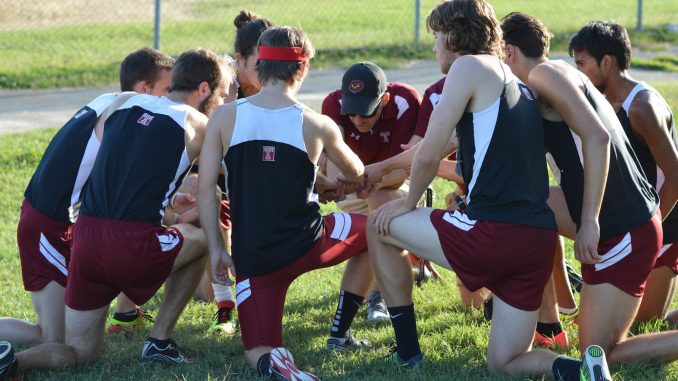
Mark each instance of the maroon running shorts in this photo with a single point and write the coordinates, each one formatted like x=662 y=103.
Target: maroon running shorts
x=261 y=299
x=513 y=261
x=111 y=256
x=44 y=249
x=626 y=260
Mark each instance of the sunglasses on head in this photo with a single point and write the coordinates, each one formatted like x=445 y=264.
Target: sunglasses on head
x=365 y=116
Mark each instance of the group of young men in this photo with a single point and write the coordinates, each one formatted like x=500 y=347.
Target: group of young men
x=502 y=105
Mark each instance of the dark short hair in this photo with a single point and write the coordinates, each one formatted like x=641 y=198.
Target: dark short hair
x=600 y=38
x=470 y=25
x=527 y=33
x=249 y=27
x=196 y=66
x=274 y=70
x=143 y=65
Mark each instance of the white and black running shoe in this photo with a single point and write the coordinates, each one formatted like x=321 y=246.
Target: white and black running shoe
x=171 y=353
x=348 y=343
x=283 y=368
x=8 y=362
x=594 y=366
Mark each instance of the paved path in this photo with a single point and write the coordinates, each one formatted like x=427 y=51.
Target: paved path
x=25 y=110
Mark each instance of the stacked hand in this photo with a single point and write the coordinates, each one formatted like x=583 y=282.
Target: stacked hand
x=362 y=186
x=185 y=206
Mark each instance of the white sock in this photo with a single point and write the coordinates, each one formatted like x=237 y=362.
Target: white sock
x=567 y=311
x=221 y=292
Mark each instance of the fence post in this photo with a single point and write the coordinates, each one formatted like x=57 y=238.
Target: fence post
x=417 y=21
x=639 y=24
x=156 y=29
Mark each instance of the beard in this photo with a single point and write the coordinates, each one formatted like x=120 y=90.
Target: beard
x=209 y=104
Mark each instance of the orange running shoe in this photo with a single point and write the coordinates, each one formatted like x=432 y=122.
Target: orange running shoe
x=560 y=340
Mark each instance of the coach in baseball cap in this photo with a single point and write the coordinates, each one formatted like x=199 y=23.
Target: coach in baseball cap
x=362 y=88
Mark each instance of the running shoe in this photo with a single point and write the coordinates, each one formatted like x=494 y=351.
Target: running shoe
x=414 y=363
x=576 y=281
x=283 y=368
x=171 y=353
x=560 y=340
x=376 y=308
x=142 y=320
x=8 y=362
x=350 y=343
x=594 y=366
x=223 y=321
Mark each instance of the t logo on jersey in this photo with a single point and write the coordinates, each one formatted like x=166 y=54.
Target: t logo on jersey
x=268 y=153
x=145 y=119
x=386 y=135
x=355 y=136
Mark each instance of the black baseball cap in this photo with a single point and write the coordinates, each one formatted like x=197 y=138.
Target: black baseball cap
x=362 y=87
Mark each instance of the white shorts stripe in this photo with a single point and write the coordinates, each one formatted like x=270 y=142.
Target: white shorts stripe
x=52 y=255
x=664 y=249
x=242 y=291
x=342 y=226
x=459 y=220
x=168 y=240
x=616 y=254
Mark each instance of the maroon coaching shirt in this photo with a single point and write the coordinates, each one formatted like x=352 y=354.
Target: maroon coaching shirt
x=395 y=127
x=428 y=103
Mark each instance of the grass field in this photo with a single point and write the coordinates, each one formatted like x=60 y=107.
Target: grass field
x=46 y=44
x=453 y=341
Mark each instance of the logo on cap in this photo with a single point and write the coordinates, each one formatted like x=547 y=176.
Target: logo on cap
x=356 y=86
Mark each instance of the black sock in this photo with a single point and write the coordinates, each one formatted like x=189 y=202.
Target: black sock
x=126 y=316
x=549 y=329
x=405 y=327
x=566 y=369
x=346 y=311
x=159 y=343
x=264 y=365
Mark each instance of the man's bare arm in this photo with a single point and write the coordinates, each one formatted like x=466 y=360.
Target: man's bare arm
x=218 y=136
x=338 y=153
x=568 y=99
x=440 y=135
x=651 y=124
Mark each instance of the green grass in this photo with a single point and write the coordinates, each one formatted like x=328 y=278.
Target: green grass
x=88 y=53
x=453 y=341
x=665 y=63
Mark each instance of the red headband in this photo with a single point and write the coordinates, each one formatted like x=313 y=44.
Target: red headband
x=276 y=53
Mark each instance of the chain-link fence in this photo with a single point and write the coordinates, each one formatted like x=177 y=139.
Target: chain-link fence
x=44 y=42
x=51 y=43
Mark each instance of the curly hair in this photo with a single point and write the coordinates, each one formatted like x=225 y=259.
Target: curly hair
x=470 y=25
